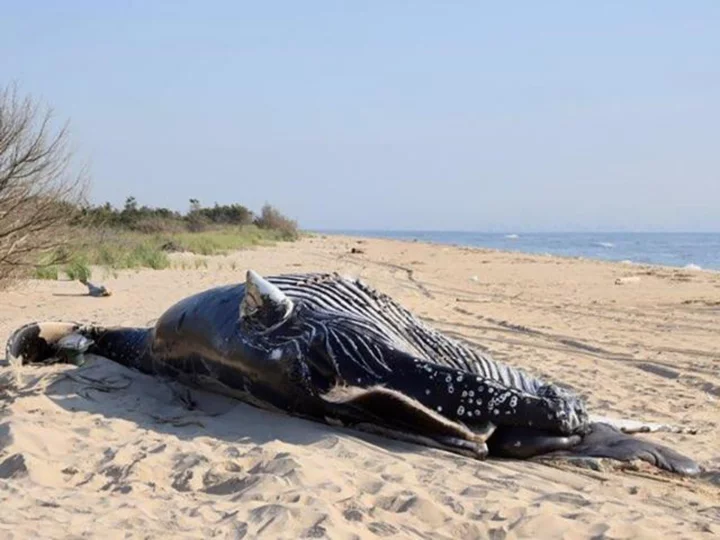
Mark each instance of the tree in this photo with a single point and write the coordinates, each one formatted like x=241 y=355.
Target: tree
x=271 y=218
x=39 y=196
x=130 y=205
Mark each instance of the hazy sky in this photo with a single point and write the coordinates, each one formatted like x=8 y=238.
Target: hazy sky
x=390 y=114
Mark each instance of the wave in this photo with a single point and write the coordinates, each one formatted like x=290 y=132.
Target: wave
x=607 y=245
x=512 y=236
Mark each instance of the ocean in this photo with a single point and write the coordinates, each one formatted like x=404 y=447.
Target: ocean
x=689 y=250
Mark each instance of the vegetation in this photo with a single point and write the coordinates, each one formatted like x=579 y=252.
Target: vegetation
x=48 y=229
x=136 y=237
x=144 y=219
x=38 y=193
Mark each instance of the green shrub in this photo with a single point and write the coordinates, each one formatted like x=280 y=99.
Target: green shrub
x=46 y=272
x=78 y=270
x=271 y=218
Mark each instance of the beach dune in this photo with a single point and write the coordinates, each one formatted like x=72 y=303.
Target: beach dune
x=103 y=451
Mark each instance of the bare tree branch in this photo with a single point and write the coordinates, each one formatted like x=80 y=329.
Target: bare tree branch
x=39 y=194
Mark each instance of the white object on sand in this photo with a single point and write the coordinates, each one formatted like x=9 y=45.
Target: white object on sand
x=624 y=280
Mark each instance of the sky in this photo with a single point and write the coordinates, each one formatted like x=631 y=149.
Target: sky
x=477 y=116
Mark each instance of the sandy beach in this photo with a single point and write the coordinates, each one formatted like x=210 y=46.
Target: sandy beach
x=102 y=451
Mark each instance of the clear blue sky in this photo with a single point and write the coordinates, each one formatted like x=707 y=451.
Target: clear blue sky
x=390 y=114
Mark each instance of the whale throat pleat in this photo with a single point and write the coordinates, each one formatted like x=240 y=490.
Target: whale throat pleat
x=374 y=313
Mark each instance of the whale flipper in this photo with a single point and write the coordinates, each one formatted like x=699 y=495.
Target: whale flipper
x=264 y=306
x=391 y=413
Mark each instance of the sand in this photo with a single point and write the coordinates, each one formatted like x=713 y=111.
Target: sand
x=105 y=452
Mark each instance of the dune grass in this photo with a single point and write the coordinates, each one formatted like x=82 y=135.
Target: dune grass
x=119 y=250
x=222 y=241
x=47 y=272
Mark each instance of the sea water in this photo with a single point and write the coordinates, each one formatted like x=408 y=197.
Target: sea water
x=690 y=250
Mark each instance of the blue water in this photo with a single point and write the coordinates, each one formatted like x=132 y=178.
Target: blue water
x=668 y=249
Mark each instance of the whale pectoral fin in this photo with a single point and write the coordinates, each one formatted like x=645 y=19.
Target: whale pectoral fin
x=386 y=411
x=523 y=443
x=263 y=306
x=607 y=441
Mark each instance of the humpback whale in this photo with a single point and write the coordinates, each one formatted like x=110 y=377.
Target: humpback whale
x=334 y=349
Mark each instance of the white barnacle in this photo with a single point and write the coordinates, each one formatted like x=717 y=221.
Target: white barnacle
x=496 y=412
x=478 y=401
x=464 y=393
x=477 y=412
x=427 y=392
x=451 y=389
x=439 y=408
x=471 y=393
x=459 y=378
x=460 y=410
x=513 y=401
x=448 y=379
x=490 y=389
x=276 y=354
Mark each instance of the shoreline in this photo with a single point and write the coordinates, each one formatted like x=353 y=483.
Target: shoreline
x=629 y=263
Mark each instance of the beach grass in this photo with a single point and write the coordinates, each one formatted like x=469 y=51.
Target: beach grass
x=223 y=241
x=120 y=250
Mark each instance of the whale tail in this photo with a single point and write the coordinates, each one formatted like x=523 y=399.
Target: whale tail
x=68 y=342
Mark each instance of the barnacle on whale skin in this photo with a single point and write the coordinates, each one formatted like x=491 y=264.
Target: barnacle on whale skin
x=569 y=408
